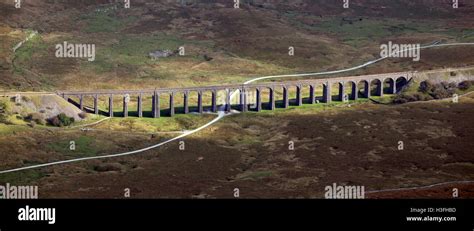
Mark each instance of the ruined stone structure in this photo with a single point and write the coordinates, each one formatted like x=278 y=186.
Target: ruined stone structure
x=360 y=86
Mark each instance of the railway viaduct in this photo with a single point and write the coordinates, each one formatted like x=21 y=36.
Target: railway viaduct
x=358 y=86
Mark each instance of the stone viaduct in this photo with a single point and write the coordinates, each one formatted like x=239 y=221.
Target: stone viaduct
x=359 y=86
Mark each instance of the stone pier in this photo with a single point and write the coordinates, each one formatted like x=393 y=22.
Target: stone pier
x=312 y=99
x=111 y=106
x=327 y=96
x=380 y=89
x=354 y=92
x=81 y=102
x=126 y=99
x=96 y=104
x=214 y=101
x=186 y=102
x=286 y=100
x=258 y=99
x=367 y=89
x=228 y=105
x=243 y=100
x=139 y=105
x=272 y=99
x=393 y=87
x=299 y=97
x=342 y=89
x=156 y=105
x=200 y=109
x=172 y=104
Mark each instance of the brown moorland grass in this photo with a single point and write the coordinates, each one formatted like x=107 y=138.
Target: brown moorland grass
x=355 y=147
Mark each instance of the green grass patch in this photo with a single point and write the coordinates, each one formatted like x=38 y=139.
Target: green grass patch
x=179 y=122
x=249 y=140
x=462 y=92
x=386 y=99
x=132 y=51
x=255 y=175
x=358 y=32
x=91 y=118
x=24 y=54
x=105 y=22
x=311 y=108
x=84 y=146
x=361 y=31
x=22 y=177
x=11 y=129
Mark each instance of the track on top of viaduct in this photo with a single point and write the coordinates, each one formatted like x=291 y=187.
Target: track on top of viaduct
x=395 y=81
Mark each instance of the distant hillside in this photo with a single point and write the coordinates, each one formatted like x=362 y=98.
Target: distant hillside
x=223 y=45
x=35 y=11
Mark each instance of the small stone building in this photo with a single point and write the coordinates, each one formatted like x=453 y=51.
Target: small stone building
x=160 y=54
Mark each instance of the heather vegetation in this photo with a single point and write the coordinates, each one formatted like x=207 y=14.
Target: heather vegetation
x=429 y=90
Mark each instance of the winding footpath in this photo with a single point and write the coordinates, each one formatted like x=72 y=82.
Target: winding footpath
x=221 y=113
